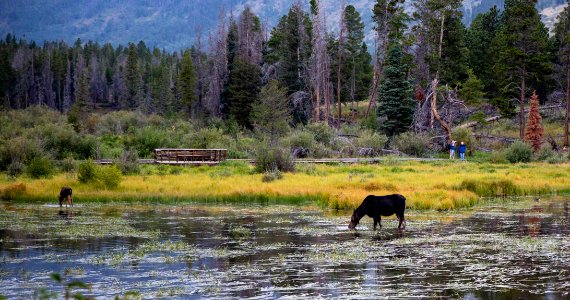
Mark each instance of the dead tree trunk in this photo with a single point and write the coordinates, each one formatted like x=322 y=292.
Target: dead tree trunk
x=567 y=103
x=521 y=113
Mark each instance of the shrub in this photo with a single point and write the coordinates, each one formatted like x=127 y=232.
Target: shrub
x=15 y=169
x=18 y=149
x=86 y=171
x=518 y=152
x=13 y=191
x=369 y=139
x=498 y=157
x=108 y=177
x=127 y=163
x=68 y=165
x=464 y=135
x=268 y=159
x=322 y=133
x=39 y=167
x=271 y=175
x=146 y=139
x=301 y=143
x=544 y=153
x=412 y=144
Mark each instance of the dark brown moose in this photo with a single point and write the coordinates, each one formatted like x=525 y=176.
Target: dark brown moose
x=65 y=194
x=378 y=206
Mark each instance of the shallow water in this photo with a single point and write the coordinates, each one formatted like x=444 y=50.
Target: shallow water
x=513 y=250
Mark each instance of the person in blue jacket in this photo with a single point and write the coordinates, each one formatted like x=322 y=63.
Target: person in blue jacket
x=452 y=150
x=462 y=150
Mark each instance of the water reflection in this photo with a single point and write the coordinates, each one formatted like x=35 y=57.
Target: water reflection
x=272 y=252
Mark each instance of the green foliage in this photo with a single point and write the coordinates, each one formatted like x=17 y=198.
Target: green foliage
x=370 y=139
x=472 y=89
x=187 y=80
x=107 y=177
x=490 y=188
x=518 y=152
x=322 y=133
x=127 y=163
x=148 y=138
x=412 y=144
x=301 y=139
x=86 y=171
x=272 y=114
x=243 y=91
x=544 y=153
x=395 y=95
x=498 y=157
x=271 y=175
x=269 y=159
x=19 y=149
x=15 y=169
x=464 y=135
x=40 y=167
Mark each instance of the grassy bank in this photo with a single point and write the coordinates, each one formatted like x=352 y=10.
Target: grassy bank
x=438 y=185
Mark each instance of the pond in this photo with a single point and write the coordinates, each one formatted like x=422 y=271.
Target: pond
x=503 y=250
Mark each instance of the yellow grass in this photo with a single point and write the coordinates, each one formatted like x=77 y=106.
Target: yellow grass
x=436 y=185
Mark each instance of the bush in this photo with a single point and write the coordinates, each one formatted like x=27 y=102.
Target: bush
x=207 y=138
x=146 y=139
x=18 y=149
x=464 y=135
x=369 y=139
x=108 y=177
x=269 y=159
x=518 y=152
x=498 y=157
x=271 y=175
x=87 y=171
x=127 y=163
x=545 y=153
x=412 y=144
x=322 y=133
x=40 y=167
x=301 y=143
x=68 y=165
x=15 y=169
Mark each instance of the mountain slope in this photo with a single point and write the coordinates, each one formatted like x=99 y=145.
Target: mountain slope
x=171 y=24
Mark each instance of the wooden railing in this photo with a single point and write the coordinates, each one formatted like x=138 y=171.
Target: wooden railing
x=190 y=156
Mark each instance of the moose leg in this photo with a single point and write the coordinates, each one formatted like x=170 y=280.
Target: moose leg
x=376 y=220
x=402 y=220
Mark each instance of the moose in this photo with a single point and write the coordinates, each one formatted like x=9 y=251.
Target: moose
x=65 y=193
x=378 y=206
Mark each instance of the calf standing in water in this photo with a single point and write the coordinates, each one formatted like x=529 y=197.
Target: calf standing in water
x=65 y=193
x=377 y=206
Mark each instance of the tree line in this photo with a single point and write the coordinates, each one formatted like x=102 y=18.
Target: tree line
x=418 y=63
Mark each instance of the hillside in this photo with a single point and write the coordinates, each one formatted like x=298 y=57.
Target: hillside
x=169 y=24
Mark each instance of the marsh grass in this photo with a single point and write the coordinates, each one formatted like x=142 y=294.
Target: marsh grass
x=438 y=185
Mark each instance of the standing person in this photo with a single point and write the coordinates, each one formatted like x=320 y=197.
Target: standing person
x=452 y=150
x=462 y=150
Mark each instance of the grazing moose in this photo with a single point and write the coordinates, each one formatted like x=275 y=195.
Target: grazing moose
x=65 y=193
x=377 y=206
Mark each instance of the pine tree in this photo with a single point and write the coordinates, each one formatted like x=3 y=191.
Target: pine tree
x=243 y=91
x=534 y=131
x=521 y=44
x=395 y=95
x=271 y=115
x=133 y=79
x=562 y=41
x=478 y=39
x=472 y=89
x=80 y=108
x=187 y=82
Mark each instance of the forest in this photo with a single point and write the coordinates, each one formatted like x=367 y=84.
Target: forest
x=298 y=86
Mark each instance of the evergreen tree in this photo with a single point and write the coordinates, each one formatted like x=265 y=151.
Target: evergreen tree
x=133 y=79
x=232 y=43
x=472 y=89
x=562 y=42
x=271 y=115
x=534 y=131
x=243 y=91
x=521 y=44
x=395 y=95
x=80 y=108
x=479 y=38
x=187 y=82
